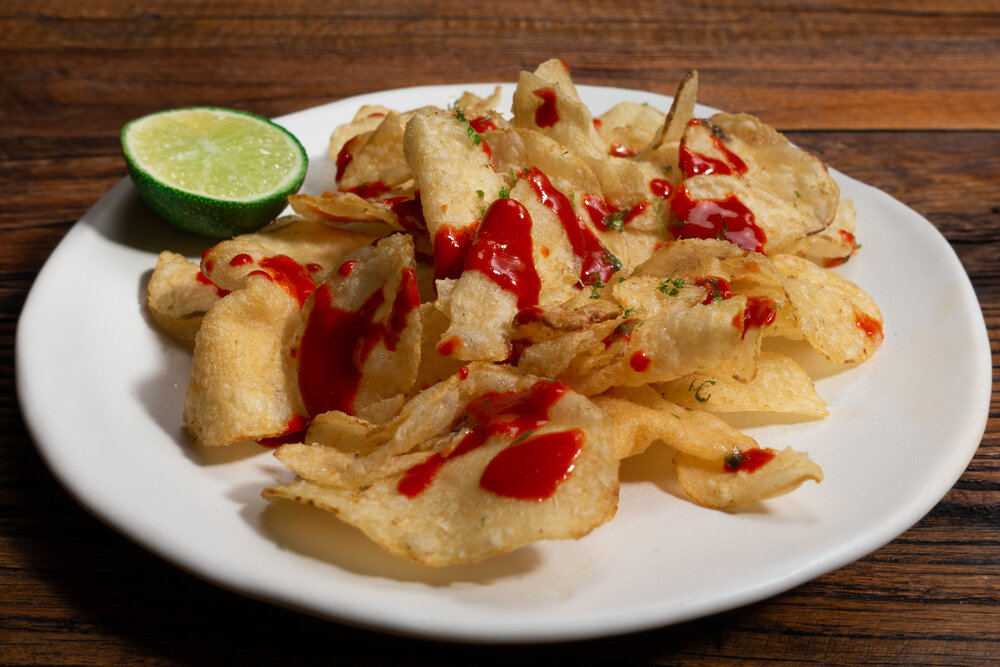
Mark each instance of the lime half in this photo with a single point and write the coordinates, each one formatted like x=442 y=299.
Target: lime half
x=217 y=172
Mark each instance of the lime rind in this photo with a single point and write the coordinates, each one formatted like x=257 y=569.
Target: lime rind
x=153 y=145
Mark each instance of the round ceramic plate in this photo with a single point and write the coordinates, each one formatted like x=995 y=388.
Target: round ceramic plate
x=102 y=392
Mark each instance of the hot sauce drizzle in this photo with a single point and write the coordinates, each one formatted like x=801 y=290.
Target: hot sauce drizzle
x=507 y=414
x=502 y=251
x=336 y=343
x=288 y=273
x=868 y=324
x=727 y=219
x=693 y=163
x=718 y=288
x=451 y=245
x=533 y=468
x=546 y=115
x=759 y=312
x=371 y=190
x=618 y=150
x=595 y=260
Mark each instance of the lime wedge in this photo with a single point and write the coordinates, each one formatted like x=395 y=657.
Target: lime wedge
x=217 y=172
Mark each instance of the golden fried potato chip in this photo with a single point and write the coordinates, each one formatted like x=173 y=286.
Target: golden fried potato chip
x=779 y=166
x=780 y=385
x=379 y=164
x=349 y=138
x=643 y=417
x=178 y=296
x=663 y=149
x=508 y=459
x=836 y=316
x=722 y=485
x=456 y=183
x=629 y=127
x=732 y=208
x=834 y=244
x=671 y=333
x=243 y=379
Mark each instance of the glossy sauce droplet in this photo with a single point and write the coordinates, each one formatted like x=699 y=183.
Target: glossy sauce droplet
x=502 y=251
x=546 y=115
x=871 y=326
x=595 y=260
x=509 y=414
x=241 y=260
x=726 y=219
x=758 y=313
x=533 y=468
x=451 y=246
x=639 y=361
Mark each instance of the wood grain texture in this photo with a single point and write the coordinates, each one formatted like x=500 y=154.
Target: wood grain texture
x=904 y=95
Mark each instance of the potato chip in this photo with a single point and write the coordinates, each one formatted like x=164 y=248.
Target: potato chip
x=834 y=244
x=178 y=296
x=472 y=492
x=643 y=417
x=663 y=149
x=780 y=385
x=836 y=316
x=779 y=166
x=359 y=129
x=733 y=209
x=456 y=183
x=725 y=486
x=243 y=379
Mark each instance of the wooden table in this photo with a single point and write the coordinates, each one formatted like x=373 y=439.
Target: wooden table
x=901 y=94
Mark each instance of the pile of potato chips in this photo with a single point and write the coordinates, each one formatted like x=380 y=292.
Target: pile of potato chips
x=455 y=346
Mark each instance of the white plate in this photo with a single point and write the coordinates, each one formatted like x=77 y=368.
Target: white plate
x=102 y=392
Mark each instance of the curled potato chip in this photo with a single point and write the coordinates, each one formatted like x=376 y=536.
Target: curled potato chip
x=642 y=417
x=711 y=484
x=780 y=385
x=507 y=459
x=359 y=129
x=778 y=165
x=456 y=183
x=836 y=316
x=243 y=379
x=834 y=244
x=178 y=295
x=663 y=149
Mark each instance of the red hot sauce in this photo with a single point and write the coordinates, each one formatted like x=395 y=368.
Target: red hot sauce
x=532 y=472
x=335 y=344
x=502 y=251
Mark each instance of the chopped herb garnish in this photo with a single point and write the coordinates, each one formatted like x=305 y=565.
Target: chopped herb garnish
x=524 y=436
x=471 y=131
x=672 y=286
x=480 y=194
x=735 y=459
x=615 y=221
x=504 y=193
x=667 y=169
x=595 y=286
x=697 y=390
